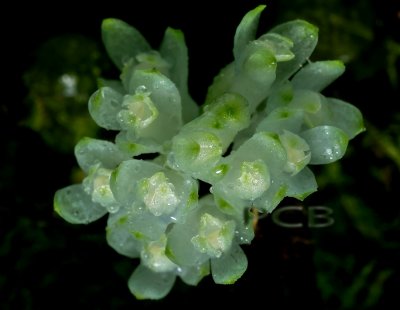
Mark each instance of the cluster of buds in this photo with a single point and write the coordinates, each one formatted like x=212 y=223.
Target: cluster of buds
x=264 y=121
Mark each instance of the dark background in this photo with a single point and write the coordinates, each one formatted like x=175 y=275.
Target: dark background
x=45 y=262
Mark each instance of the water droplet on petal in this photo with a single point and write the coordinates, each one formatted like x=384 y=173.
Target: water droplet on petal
x=113 y=208
x=141 y=89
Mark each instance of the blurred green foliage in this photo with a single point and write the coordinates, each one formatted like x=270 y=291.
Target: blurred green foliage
x=60 y=84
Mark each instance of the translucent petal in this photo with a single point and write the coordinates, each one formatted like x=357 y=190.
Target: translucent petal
x=122 y=41
x=222 y=83
x=244 y=232
x=158 y=194
x=273 y=196
x=135 y=147
x=302 y=184
x=230 y=110
x=167 y=101
x=308 y=101
x=256 y=71
x=138 y=113
x=90 y=152
x=304 y=37
x=327 y=144
x=119 y=237
x=346 y=117
x=248 y=132
x=152 y=60
x=104 y=105
x=265 y=146
x=246 y=31
x=318 y=75
x=230 y=266
x=193 y=275
x=248 y=180
x=147 y=284
x=146 y=227
x=97 y=185
x=113 y=84
x=142 y=185
x=283 y=118
x=75 y=206
x=186 y=191
x=180 y=249
x=297 y=151
x=127 y=73
x=174 y=51
x=153 y=256
x=280 y=45
x=239 y=211
x=281 y=96
x=224 y=117
x=214 y=235
x=333 y=112
x=226 y=202
x=124 y=180
x=195 y=153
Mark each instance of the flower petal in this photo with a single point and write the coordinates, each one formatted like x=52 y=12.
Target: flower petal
x=75 y=206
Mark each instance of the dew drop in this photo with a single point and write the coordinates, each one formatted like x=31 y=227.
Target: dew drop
x=218 y=172
x=141 y=89
x=113 y=208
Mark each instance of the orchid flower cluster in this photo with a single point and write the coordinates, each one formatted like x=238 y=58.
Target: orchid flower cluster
x=264 y=121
